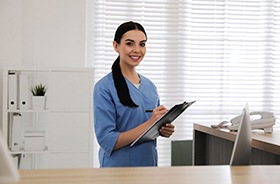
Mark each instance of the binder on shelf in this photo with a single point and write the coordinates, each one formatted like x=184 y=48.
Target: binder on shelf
x=15 y=143
x=25 y=161
x=23 y=92
x=34 y=141
x=12 y=91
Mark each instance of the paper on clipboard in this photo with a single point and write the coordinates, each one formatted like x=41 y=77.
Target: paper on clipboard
x=153 y=131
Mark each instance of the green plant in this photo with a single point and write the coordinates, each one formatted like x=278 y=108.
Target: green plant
x=38 y=90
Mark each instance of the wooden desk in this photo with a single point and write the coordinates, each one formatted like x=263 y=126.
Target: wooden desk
x=214 y=146
x=155 y=175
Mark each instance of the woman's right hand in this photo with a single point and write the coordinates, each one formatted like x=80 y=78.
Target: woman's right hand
x=157 y=113
x=129 y=136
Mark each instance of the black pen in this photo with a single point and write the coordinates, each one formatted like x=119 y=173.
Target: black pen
x=149 y=110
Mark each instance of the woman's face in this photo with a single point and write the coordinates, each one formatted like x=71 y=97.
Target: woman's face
x=132 y=48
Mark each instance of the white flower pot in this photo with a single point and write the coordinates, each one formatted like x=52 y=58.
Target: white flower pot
x=38 y=102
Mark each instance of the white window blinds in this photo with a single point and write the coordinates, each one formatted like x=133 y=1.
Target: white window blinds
x=221 y=53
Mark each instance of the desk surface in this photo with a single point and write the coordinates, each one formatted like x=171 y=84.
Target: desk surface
x=260 y=140
x=155 y=175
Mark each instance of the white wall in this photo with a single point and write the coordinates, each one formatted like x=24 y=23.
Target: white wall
x=42 y=33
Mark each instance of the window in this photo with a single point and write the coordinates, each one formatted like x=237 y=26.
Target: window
x=221 y=53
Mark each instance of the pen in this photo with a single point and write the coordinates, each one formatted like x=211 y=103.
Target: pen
x=149 y=110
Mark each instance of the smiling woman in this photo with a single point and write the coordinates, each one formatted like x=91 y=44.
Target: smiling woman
x=120 y=100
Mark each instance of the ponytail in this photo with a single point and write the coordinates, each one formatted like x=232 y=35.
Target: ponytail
x=121 y=85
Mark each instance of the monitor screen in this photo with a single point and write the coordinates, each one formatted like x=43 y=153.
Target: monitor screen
x=242 y=146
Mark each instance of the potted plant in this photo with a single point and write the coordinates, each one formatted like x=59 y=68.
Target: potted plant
x=38 y=99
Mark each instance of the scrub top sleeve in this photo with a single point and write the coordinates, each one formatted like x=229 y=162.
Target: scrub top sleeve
x=104 y=120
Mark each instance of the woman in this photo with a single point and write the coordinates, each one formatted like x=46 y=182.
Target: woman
x=120 y=100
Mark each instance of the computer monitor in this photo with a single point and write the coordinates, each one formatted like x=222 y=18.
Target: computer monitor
x=8 y=170
x=242 y=146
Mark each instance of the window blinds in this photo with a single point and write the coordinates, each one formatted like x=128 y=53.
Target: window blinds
x=221 y=53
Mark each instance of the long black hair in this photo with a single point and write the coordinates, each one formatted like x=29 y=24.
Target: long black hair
x=119 y=80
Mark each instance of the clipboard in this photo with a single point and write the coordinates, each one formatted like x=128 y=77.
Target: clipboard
x=153 y=131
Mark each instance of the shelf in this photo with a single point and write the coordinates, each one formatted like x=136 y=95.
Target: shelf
x=46 y=150
x=68 y=112
x=30 y=111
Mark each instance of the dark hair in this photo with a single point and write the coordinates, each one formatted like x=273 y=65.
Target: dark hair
x=119 y=80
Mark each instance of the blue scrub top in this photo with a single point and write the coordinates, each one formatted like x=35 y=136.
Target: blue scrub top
x=111 y=118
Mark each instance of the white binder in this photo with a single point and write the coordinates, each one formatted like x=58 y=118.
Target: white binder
x=23 y=92
x=12 y=92
x=15 y=143
x=25 y=162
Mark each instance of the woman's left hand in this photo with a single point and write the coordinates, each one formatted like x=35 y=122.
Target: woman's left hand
x=167 y=130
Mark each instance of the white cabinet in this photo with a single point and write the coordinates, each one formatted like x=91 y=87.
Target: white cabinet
x=61 y=134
